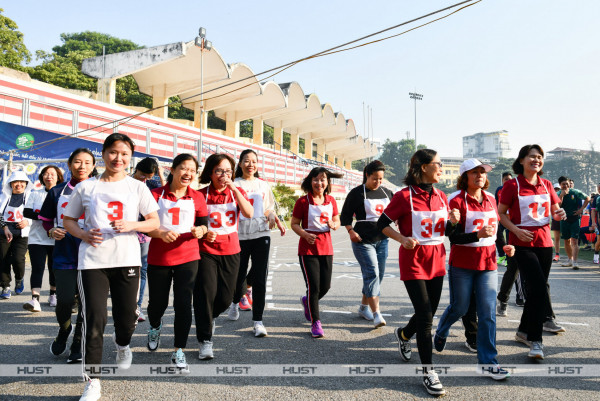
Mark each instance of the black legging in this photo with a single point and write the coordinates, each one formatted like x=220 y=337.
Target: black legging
x=534 y=266
x=317 y=271
x=38 y=254
x=183 y=277
x=258 y=250
x=12 y=254
x=425 y=297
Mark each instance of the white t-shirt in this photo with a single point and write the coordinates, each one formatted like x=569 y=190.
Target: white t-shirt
x=261 y=196
x=37 y=234
x=103 y=202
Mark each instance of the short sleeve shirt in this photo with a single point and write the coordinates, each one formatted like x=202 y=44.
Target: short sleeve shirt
x=322 y=245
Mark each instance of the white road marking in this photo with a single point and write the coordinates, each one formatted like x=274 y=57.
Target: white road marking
x=567 y=323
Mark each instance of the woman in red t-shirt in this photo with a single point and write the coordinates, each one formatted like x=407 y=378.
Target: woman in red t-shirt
x=421 y=213
x=526 y=206
x=173 y=254
x=313 y=216
x=219 y=248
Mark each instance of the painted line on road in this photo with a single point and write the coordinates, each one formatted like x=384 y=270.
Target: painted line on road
x=567 y=323
x=343 y=312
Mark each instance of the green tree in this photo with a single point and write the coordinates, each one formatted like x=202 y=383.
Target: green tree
x=396 y=157
x=13 y=51
x=495 y=176
x=63 y=71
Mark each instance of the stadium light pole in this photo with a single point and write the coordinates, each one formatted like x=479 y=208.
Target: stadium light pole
x=416 y=96
x=203 y=44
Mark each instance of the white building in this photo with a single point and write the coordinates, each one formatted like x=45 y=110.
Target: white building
x=486 y=145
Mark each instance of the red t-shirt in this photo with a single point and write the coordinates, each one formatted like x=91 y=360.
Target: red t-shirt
x=322 y=245
x=424 y=262
x=475 y=257
x=509 y=197
x=224 y=244
x=185 y=248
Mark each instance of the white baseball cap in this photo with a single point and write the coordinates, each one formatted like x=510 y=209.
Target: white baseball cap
x=470 y=164
x=557 y=185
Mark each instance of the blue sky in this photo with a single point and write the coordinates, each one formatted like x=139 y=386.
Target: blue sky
x=528 y=67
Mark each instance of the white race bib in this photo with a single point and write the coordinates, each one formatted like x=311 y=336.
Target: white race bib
x=176 y=216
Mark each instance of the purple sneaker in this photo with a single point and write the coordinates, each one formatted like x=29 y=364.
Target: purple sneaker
x=305 y=306
x=316 y=330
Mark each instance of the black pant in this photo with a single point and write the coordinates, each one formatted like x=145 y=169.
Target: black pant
x=214 y=289
x=38 y=254
x=510 y=277
x=534 y=266
x=258 y=250
x=316 y=271
x=425 y=297
x=470 y=320
x=12 y=254
x=183 y=277
x=66 y=291
x=501 y=233
x=124 y=283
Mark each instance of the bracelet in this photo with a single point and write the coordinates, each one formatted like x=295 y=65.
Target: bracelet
x=51 y=232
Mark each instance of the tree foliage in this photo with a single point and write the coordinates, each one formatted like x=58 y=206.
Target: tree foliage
x=13 y=52
x=396 y=157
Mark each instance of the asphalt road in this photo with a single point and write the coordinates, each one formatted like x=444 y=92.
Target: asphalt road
x=26 y=337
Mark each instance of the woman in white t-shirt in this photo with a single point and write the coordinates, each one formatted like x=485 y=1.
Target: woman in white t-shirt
x=255 y=240
x=109 y=254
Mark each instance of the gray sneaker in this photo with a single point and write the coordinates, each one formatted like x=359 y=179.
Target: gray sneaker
x=552 y=327
x=501 y=309
x=154 y=338
x=365 y=312
x=522 y=338
x=403 y=346
x=537 y=350
x=206 y=350
x=124 y=357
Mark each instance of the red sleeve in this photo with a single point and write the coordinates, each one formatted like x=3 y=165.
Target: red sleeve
x=458 y=203
x=509 y=192
x=553 y=196
x=156 y=192
x=396 y=207
x=300 y=208
x=334 y=204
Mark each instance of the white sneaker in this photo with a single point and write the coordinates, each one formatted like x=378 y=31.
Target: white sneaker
x=537 y=350
x=178 y=359
x=214 y=326
x=596 y=259
x=378 y=320
x=234 y=312
x=206 y=351
x=124 y=356
x=432 y=384
x=52 y=300
x=32 y=306
x=365 y=312
x=259 y=329
x=92 y=391
x=568 y=263
x=141 y=316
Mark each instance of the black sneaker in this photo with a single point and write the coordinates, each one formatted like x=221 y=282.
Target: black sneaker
x=403 y=346
x=471 y=345
x=432 y=384
x=520 y=302
x=75 y=354
x=439 y=343
x=59 y=345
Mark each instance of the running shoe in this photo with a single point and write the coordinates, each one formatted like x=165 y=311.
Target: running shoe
x=537 y=350
x=365 y=312
x=568 y=263
x=596 y=259
x=378 y=320
x=124 y=357
x=316 y=330
x=206 y=350
x=259 y=329
x=178 y=359
x=52 y=300
x=92 y=391
x=5 y=293
x=575 y=266
x=551 y=326
x=75 y=354
x=522 y=338
x=305 y=306
x=214 y=326
x=244 y=304
x=249 y=296
x=234 y=312
x=556 y=257
x=471 y=345
x=501 y=308
x=154 y=338
x=403 y=345
x=141 y=316
x=19 y=287
x=33 y=305
x=439 y=343
x=494 y=371
x=588 y=247
x=520 y=302
x=59 y=345
x=432 y=384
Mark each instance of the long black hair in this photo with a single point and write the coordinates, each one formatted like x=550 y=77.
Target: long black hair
x=238 y=169
x=414 y=175
x=307 y=182
x=517 y=166
x=211 y=162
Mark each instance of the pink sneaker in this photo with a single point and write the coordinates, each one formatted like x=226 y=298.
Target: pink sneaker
x=305 y=306
x=244 y=304
x=316 y=330
x=249 y=296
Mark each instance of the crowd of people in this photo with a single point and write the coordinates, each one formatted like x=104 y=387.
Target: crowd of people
x=112 y=233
